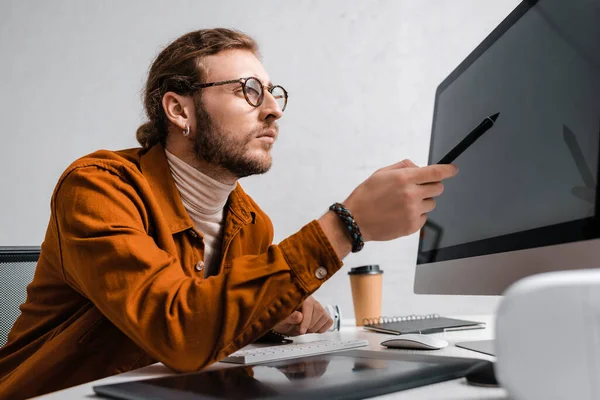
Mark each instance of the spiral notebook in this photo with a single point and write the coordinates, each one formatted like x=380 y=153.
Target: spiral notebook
x=430 y=323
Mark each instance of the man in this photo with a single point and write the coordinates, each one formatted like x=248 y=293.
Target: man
x=157 y=254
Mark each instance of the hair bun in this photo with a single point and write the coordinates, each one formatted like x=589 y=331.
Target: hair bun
x=147 y=135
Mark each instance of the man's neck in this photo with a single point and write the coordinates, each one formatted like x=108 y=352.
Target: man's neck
x=210 y=170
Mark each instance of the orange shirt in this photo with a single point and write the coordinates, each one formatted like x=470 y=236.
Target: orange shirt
x=116 y=286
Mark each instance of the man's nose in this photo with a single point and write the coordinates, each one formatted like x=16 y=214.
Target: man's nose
x=270 y=107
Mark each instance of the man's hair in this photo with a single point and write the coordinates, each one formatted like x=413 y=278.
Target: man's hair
x=179 y=68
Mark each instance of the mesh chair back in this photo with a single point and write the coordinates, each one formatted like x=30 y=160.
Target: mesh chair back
x=17 y=265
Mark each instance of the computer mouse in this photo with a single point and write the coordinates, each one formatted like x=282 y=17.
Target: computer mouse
x=415 y=341
x=482 y=375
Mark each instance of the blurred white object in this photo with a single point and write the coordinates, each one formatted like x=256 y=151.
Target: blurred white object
x=335 y=313
x=548 y=337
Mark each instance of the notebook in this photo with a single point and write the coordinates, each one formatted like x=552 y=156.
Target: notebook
x=430 y=323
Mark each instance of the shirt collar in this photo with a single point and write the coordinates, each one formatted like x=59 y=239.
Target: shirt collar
x=203 y=196
x=155 y=168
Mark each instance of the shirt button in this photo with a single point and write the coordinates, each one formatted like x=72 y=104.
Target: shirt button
x=193 y=233
x=199 y=266
x=320 y=273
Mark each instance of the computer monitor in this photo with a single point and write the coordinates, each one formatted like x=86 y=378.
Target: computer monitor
x=525 y=200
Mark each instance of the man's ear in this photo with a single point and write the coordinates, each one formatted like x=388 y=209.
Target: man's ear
x=179 y=110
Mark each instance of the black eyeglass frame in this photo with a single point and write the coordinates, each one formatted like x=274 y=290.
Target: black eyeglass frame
x=243 y=82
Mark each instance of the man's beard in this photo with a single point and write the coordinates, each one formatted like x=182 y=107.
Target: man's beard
x=218 y=147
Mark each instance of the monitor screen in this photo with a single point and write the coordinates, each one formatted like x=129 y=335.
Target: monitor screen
x=530 y=180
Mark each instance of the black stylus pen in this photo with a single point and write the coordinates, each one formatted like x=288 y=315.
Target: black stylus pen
x=475 y=134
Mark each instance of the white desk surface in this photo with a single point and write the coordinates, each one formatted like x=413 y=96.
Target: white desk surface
x=457 y=389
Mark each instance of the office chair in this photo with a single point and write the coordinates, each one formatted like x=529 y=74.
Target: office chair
x=17 y=265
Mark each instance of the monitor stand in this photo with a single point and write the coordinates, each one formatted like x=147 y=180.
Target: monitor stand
x=481 y=346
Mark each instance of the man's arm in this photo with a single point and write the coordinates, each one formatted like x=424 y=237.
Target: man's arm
x=393 y=202
x=337 y=233
x=137 y=282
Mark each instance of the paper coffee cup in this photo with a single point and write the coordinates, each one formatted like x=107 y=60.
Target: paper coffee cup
x=366 y=283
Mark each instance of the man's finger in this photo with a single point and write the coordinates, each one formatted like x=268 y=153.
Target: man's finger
x=307 y=311
x=291 y=325
x=428 y=190
x=316 y=327
x=326 y=327
x=295 y=318
x=428 y=206
x=410 y=164
x=430 y=173
x=402 y=164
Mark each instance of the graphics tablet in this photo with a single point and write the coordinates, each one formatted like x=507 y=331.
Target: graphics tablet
x=352 y=374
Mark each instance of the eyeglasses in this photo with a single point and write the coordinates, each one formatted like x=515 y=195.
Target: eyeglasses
x=254 y=91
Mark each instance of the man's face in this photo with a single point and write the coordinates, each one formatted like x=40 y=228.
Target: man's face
x=230 y=133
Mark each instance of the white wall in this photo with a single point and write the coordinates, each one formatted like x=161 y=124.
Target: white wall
x=361 y=76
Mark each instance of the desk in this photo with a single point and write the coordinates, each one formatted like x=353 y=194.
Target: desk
x=456 y=389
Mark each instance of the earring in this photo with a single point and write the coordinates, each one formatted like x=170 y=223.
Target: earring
x=186 y=132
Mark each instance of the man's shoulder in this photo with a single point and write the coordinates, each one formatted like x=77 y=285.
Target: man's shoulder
x=119 y=163
x=113 y=160
x=127 y=157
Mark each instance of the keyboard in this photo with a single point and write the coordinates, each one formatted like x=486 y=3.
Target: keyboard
x=292 y=350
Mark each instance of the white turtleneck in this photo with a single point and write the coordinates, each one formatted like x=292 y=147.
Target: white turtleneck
x=204 y=199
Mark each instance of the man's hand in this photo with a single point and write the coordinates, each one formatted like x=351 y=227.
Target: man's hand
x=312 y=318
x=395 y=200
